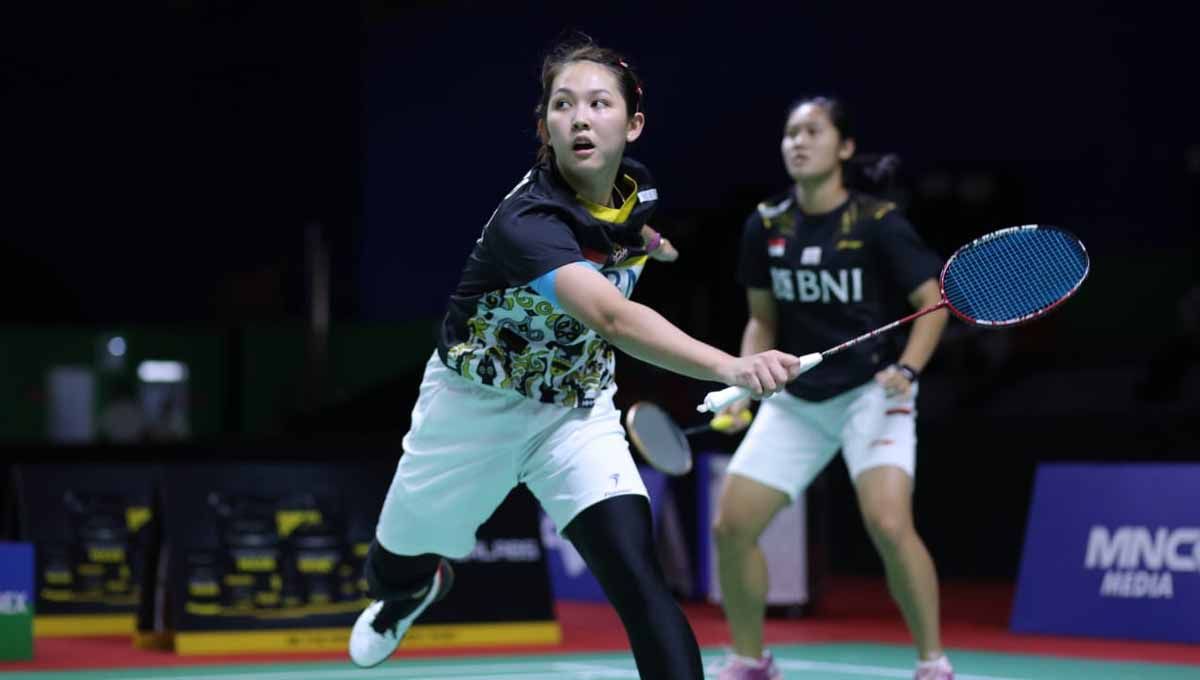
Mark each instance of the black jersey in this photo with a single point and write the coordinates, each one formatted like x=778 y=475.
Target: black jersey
x=500 y=331
x=834 y=277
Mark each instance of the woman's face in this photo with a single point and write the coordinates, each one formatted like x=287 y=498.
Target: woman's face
x=586 y=120
x=812 y=147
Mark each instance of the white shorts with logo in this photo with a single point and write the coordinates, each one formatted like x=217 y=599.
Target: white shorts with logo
x=791 y=440
x=469 y=445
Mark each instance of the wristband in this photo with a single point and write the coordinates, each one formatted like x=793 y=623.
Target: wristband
x=910 y=374
x=654 y=242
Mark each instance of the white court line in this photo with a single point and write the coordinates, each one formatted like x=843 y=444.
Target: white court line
x=547 y=670
x=592 y=669
x=871 y=671
x=540 y=675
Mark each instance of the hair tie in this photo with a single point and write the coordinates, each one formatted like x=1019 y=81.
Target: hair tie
x=636 y=85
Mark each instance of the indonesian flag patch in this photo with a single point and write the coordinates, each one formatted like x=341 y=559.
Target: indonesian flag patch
x=776 y=246
x=595 y=256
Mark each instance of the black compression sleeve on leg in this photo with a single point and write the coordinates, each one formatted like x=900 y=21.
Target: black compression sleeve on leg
x=614 y=538
x=396 y=577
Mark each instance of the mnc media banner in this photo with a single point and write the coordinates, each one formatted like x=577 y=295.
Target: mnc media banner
x=1112 y=551
x=268 y=557
x=90 y=526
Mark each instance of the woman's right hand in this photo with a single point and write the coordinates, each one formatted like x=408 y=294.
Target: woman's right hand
x=763 y=374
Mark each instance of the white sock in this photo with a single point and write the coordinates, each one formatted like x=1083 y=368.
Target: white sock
x=940 y=662
x=748 y=660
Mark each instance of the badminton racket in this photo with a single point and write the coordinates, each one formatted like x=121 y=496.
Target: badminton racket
x=1001 y=279
x=662 y=443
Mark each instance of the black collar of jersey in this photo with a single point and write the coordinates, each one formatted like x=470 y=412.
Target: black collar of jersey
x=782 y=197
x=629 y=233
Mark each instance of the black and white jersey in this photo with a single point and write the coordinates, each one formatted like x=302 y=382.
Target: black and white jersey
x=834 y=277
x=504 y=327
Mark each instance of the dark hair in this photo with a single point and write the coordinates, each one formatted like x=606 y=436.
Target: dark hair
x=834 y=108
x=582 y=48
x=875 y=171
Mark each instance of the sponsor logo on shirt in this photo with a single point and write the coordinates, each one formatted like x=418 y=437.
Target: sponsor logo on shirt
x=619 y=254
x=811 y=255
x=825 y=286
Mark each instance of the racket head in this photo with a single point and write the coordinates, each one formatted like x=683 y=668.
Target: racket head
x=658 y=439
x=1014 y=275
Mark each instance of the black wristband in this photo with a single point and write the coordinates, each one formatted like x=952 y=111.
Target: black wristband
x=910 y=374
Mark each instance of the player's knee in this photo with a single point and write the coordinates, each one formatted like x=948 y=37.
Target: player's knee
x=732 y=531
x=887 y=528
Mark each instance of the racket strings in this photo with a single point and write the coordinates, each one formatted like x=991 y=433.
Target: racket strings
x=659 y=439
x=1014 y=275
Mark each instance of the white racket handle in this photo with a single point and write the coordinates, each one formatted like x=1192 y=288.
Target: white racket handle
x=715 y=402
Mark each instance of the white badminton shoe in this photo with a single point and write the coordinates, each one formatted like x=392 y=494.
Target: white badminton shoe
x=382 y=625
x=938 y=669
x=741 y=668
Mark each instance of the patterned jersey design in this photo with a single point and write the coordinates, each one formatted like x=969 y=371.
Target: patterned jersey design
x=520 y=340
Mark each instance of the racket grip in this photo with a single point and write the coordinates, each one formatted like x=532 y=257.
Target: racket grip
x=715 y=402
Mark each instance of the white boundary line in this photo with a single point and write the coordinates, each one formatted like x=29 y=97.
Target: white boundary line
x=500 y=668
x=871 y=671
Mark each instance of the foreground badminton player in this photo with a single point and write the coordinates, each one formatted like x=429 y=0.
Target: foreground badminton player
x=521 y=388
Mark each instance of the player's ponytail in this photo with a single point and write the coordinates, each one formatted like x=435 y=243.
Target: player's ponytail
x=872 y=172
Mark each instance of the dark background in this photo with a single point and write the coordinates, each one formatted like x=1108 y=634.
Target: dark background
x=163 y=160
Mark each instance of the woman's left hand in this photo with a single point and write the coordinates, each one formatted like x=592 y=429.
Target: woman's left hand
x=895 y=383
x=665 y=252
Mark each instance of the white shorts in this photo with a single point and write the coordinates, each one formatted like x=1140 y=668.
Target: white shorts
x=469 y=445
x=791 y=440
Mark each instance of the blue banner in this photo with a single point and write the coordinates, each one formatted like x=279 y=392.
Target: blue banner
x=16 y=601
x=1112 y=551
